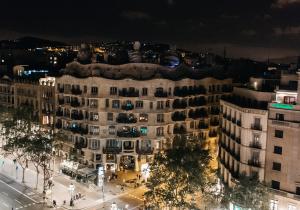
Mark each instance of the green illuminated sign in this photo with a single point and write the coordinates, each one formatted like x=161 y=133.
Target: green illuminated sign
x=282 y=106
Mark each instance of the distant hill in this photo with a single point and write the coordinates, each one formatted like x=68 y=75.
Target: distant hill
x=285 y=60
x=29 y=42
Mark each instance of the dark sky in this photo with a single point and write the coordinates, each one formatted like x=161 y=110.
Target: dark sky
x=248 y=28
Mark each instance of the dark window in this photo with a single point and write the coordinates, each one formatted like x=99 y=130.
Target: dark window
x=280 y=117
x=145 y=91
x=279 y=133
x=167 y=104
x=85 y=89
x=110 y=116
x=115 y=104
x=94 y=90
x=151 y=105
x=113 y=91
x=276 y=166
x=298 y=190
x=275 y=185
x=277 y=150
x=107 y=103
x=139 y=104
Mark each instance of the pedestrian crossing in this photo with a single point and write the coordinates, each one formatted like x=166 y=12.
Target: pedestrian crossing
x=26 y=206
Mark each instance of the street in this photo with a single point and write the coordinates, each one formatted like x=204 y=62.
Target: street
x=15 y=196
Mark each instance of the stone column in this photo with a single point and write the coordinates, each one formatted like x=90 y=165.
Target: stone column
x=136 y=163
x=104 y=161
x=118 y=162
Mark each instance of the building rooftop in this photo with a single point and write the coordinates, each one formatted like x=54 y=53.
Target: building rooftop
x=244 y=102
x=137 y=71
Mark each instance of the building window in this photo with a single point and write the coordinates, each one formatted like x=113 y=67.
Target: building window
x=192 y=124
x=144 y=131
x=275 y=185
x=151 y=105
x=94 y=144
x=94 y=90
x=113 y=90
x=276 y=166
x=160 y=118
x=279 y=133
x=85 y=89
x=167 y=104
x=145 y=91
x=116 y=104
x=94 y=130
x=143 y=118
x=111 y=130
x=94 y=116
x=160 y=131
x=110 y=116
x=139 y=104
x=93 y=103
x=160 y=105
x=273 y=205
x=278 y=150
x=298 y=190
x=279 y=116
x=107 y=103
x=291 y=207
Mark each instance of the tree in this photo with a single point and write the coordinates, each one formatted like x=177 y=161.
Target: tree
x=18 y=127
x=179 y=174
x=248 y=193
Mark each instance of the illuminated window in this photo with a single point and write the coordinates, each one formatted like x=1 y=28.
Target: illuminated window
x=273 y=205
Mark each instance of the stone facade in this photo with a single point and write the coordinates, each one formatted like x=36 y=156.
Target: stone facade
x=122 y=123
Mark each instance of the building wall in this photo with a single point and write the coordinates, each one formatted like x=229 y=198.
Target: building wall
x=151 y=106
x=242 y=141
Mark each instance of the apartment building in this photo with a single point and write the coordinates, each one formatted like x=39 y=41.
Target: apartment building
x=6 y=92
x=243 y=135
x=119 y=116
x=283 y=148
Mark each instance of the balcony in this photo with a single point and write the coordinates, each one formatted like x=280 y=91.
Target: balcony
x=79 y=129
x=232 y=136
x=127 y=107
x=59 y=113
x=76 y=116
x=228 y=117
x=214 y=123
x=144 y=150
x=179 y=130
x=256 y=145
x=179 y=104
x=198 y=101
x=224 y=115
x=238 y=140
x=129 y=93
x=112 y=150
x=256 y=127
x=238 y=122
x=253 y=162
x=132 y=133
x=213 y=134
x=202 y=126
x=124 y=118
x=186 y=91
x=76 y=91
x=161 y=94
x=178 y=116
x=215 y=112
x=80 y=144
x=233 y=120
x=58 y=125
x=61 y=101
x=75 y=103
x=61 y=90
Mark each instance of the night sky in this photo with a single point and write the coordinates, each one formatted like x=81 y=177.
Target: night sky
x=248 y=28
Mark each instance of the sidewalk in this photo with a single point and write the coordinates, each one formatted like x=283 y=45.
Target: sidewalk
x=60 y=191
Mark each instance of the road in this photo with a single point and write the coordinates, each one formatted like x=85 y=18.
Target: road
x=131 y=200
x=15 y=196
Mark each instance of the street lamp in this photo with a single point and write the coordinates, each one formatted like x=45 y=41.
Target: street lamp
x=71 y=190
